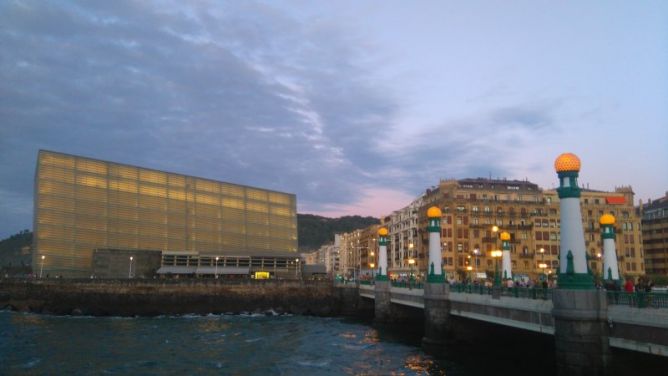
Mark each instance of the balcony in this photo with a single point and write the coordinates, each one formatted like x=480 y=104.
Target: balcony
x=527 y=255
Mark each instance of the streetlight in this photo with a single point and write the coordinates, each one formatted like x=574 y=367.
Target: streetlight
x=543 y=267
x=297 y=268
x=130 y=268
x=542 y=259
x=411 y=262
x=216 y=274
x=497 y=277
x=469 y=269
x=598 y=255
x=372 y=265
x=41 y=268
x=476 y=251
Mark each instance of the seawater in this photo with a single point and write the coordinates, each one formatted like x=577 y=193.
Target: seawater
x=252 y=344
x=216 y=345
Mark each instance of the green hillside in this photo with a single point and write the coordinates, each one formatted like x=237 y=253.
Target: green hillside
x=14 y=256
x=315 y=230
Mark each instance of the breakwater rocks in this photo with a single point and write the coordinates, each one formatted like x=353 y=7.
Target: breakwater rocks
x=175 y=297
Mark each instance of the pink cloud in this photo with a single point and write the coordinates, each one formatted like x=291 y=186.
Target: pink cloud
x=375 y=202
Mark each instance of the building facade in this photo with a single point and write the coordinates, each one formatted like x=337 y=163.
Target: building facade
x=655 y=235
x=475 y=211
x=83 y=204
x=403 y=228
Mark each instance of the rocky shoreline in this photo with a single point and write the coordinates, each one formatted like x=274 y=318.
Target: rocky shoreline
x=176 y=297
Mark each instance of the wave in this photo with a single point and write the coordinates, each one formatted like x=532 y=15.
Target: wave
x=307 y=363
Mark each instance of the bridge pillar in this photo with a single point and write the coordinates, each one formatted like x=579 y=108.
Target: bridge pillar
x=383 y=305
x=436 y=315
x=580 y=331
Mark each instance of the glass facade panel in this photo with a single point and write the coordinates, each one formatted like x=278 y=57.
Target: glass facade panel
x=82 y=204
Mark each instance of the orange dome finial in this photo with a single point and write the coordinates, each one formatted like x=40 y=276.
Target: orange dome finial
x=382 y=231
x=607 y=219
x=567 y=162
x=434 y=212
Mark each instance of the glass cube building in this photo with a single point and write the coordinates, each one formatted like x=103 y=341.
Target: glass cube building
x=83 y=204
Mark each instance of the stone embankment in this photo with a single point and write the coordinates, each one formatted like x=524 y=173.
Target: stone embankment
x=175 y=297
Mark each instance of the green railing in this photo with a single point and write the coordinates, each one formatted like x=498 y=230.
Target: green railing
x=366 y=282
x=515 y=292
x=471 y=289
x=408 y=284
x=638 y=299
x=528 y=292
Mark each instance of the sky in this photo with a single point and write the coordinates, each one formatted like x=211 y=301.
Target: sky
x=355 y=106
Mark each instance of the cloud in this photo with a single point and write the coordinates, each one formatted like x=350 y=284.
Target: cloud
x=245 y=93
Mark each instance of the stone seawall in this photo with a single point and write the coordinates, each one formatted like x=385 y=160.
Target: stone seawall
x=173 y=297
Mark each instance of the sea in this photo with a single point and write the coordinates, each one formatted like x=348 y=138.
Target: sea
x=245 y=344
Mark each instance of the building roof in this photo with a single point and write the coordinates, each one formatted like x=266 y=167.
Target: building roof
x=498 y=184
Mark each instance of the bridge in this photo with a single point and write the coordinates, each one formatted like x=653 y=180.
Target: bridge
x=629 y=321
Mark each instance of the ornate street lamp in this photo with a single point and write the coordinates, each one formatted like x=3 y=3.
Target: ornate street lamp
x=496 y=254
x=41 y=268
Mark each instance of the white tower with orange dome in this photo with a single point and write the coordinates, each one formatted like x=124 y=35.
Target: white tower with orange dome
x=434 y=227
x=507 y=272
x=573 y=271
x=381 y=273
x=610 y=267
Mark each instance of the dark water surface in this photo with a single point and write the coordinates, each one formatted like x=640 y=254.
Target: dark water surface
x=224 y=344
x=256 y=344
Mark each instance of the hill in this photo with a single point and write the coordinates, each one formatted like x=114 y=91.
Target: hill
x=315 y=230
x=15 y=252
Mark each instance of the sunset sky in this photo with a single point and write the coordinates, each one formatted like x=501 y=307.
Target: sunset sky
x=355 y=106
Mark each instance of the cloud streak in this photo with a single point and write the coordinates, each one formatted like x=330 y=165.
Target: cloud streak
x=298 y=98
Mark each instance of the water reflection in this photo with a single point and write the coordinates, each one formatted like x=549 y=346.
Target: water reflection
x=216 y=345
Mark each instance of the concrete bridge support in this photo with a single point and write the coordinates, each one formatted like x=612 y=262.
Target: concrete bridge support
x=383 y=305
x=436 y=315
x=581 y=332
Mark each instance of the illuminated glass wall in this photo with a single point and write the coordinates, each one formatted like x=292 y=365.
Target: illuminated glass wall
x=82 y=204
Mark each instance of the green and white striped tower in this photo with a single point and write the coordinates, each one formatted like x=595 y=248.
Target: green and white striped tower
x=507 y=272
x=381 y=273
x=573 y=271
x=610 y=267
x=434 y=227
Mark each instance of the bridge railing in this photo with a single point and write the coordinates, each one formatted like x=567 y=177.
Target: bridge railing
x=470 y=289
x=369 y=282
x=528 y=292
x=638 y=299
x=515 y=292
x=408 y=284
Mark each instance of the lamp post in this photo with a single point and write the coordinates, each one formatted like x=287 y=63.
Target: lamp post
x=543 y=268
x=598 y=255
x=469 y=269
x=496 y=254
x=130 y=268
x=476 y=251
x=411 y=262
x=372 y=265
x=542 y=259
x=216 y=273
x=297 y=268
x=41 y=268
